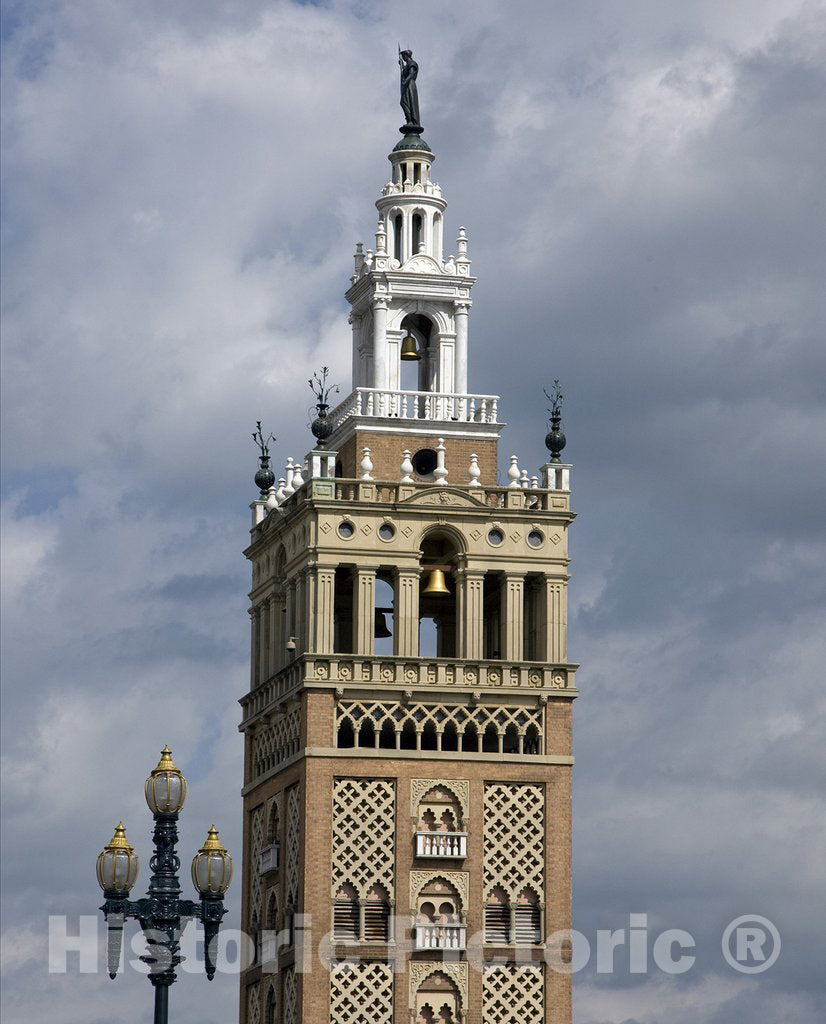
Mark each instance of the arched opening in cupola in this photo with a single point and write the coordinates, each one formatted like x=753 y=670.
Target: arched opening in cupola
x=397 y=223
x=415 y=374
x=417 y=232
x=437 y=595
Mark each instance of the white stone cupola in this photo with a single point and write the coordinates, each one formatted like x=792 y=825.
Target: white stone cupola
x=405 y=286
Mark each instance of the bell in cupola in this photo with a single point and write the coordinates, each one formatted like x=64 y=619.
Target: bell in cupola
x=410 y=349
x=380 y=630
x=436 y=585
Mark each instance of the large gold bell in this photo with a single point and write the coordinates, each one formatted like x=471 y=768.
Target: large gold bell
x=409 y=348
x=436 y=583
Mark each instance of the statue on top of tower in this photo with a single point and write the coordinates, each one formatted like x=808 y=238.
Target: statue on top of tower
x=409 y=100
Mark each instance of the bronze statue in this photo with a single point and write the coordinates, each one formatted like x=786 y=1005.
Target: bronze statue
x=409 y=69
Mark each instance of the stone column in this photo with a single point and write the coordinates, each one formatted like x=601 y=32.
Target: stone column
x=460 y=366
x=554 y=613
x=511 y=603
x=364 y=606
x=321 y=590
x=379 y=343
x=264 y=640
x=469 y=612
x=253 y=612
x=406 y=623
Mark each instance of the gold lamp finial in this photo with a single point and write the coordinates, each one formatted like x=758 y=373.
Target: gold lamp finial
x=165 y=788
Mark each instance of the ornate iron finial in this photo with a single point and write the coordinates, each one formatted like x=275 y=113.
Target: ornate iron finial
x=555 y=439
x=264 y=478
x=321 y=426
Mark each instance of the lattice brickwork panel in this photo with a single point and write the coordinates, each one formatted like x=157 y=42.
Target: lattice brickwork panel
x=293 y=845
x=253 y=1005
x=514 y=841
x=364 y=829
x=256 y=843
x=361 y=993
x=290 y=997
x=437 y=716
x=513 y=994
x=275 y=743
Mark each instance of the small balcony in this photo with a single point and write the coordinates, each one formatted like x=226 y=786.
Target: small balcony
x=442 y=845
x=268 y=859
x=440 y=936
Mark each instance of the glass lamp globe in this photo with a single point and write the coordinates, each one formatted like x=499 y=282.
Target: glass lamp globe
x=117 y=864
x=212 y=866
x=165 y=788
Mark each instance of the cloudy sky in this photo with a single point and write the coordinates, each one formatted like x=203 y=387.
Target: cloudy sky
x=642 y=185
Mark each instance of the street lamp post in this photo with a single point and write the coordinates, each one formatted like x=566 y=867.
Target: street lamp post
x=163 y=913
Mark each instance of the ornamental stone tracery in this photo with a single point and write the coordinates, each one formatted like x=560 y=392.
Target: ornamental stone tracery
x=277 y=741
x=460 y=788
x=256 y=845
x=437 y=716
x=361 y=993
x=514 y=839
x=460 y=880
x=420 y=970
x=513 y=994
x=364 y=830
x=293 y=847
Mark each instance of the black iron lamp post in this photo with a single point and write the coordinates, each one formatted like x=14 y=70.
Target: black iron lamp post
x=162 y=914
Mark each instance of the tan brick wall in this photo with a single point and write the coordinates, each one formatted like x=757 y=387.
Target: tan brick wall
x=317 y=850
x=386 y=455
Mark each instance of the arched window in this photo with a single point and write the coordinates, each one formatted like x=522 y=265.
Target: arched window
x=497 y=918
x=531 y=743
x=346 y=914
x=408 y=737
x=271 y=1010
x=470 y=738
x=526 y=918
x=511 y=744
x=376 y=915
x=490 y=740
x=387 y=736
x=367 y=734
x=417 y=236
x=397 y=236
x=450 y=737
x=429 y=737
x=345 y=737
x=273 y=824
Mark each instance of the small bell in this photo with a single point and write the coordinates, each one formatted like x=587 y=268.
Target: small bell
x=436 y=584
x=380 y=629
x=410 y=350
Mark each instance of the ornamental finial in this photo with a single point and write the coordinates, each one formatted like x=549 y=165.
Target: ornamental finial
x=555 y=439
x=321 y=427
x=264 y=477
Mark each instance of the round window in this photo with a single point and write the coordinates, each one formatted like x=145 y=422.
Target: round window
x=536 y=538
x=495 y=537
x=346 y=529
x=424 y=462
x=387 y=531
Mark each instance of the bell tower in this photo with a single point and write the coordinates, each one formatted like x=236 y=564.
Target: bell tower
x=407 y=730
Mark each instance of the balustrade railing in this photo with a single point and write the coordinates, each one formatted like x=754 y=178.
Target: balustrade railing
x=441 y=844
x=416 y=405
x=440 y=936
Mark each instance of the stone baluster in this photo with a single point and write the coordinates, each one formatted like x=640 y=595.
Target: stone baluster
x=298 y=479
x=289 y=470
x=407 y=468
x=281 y=493
x=513 y=472
x=366 y=465
x=524 y=482
x=440 y=472
x=272 y=499
x=474 y=472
